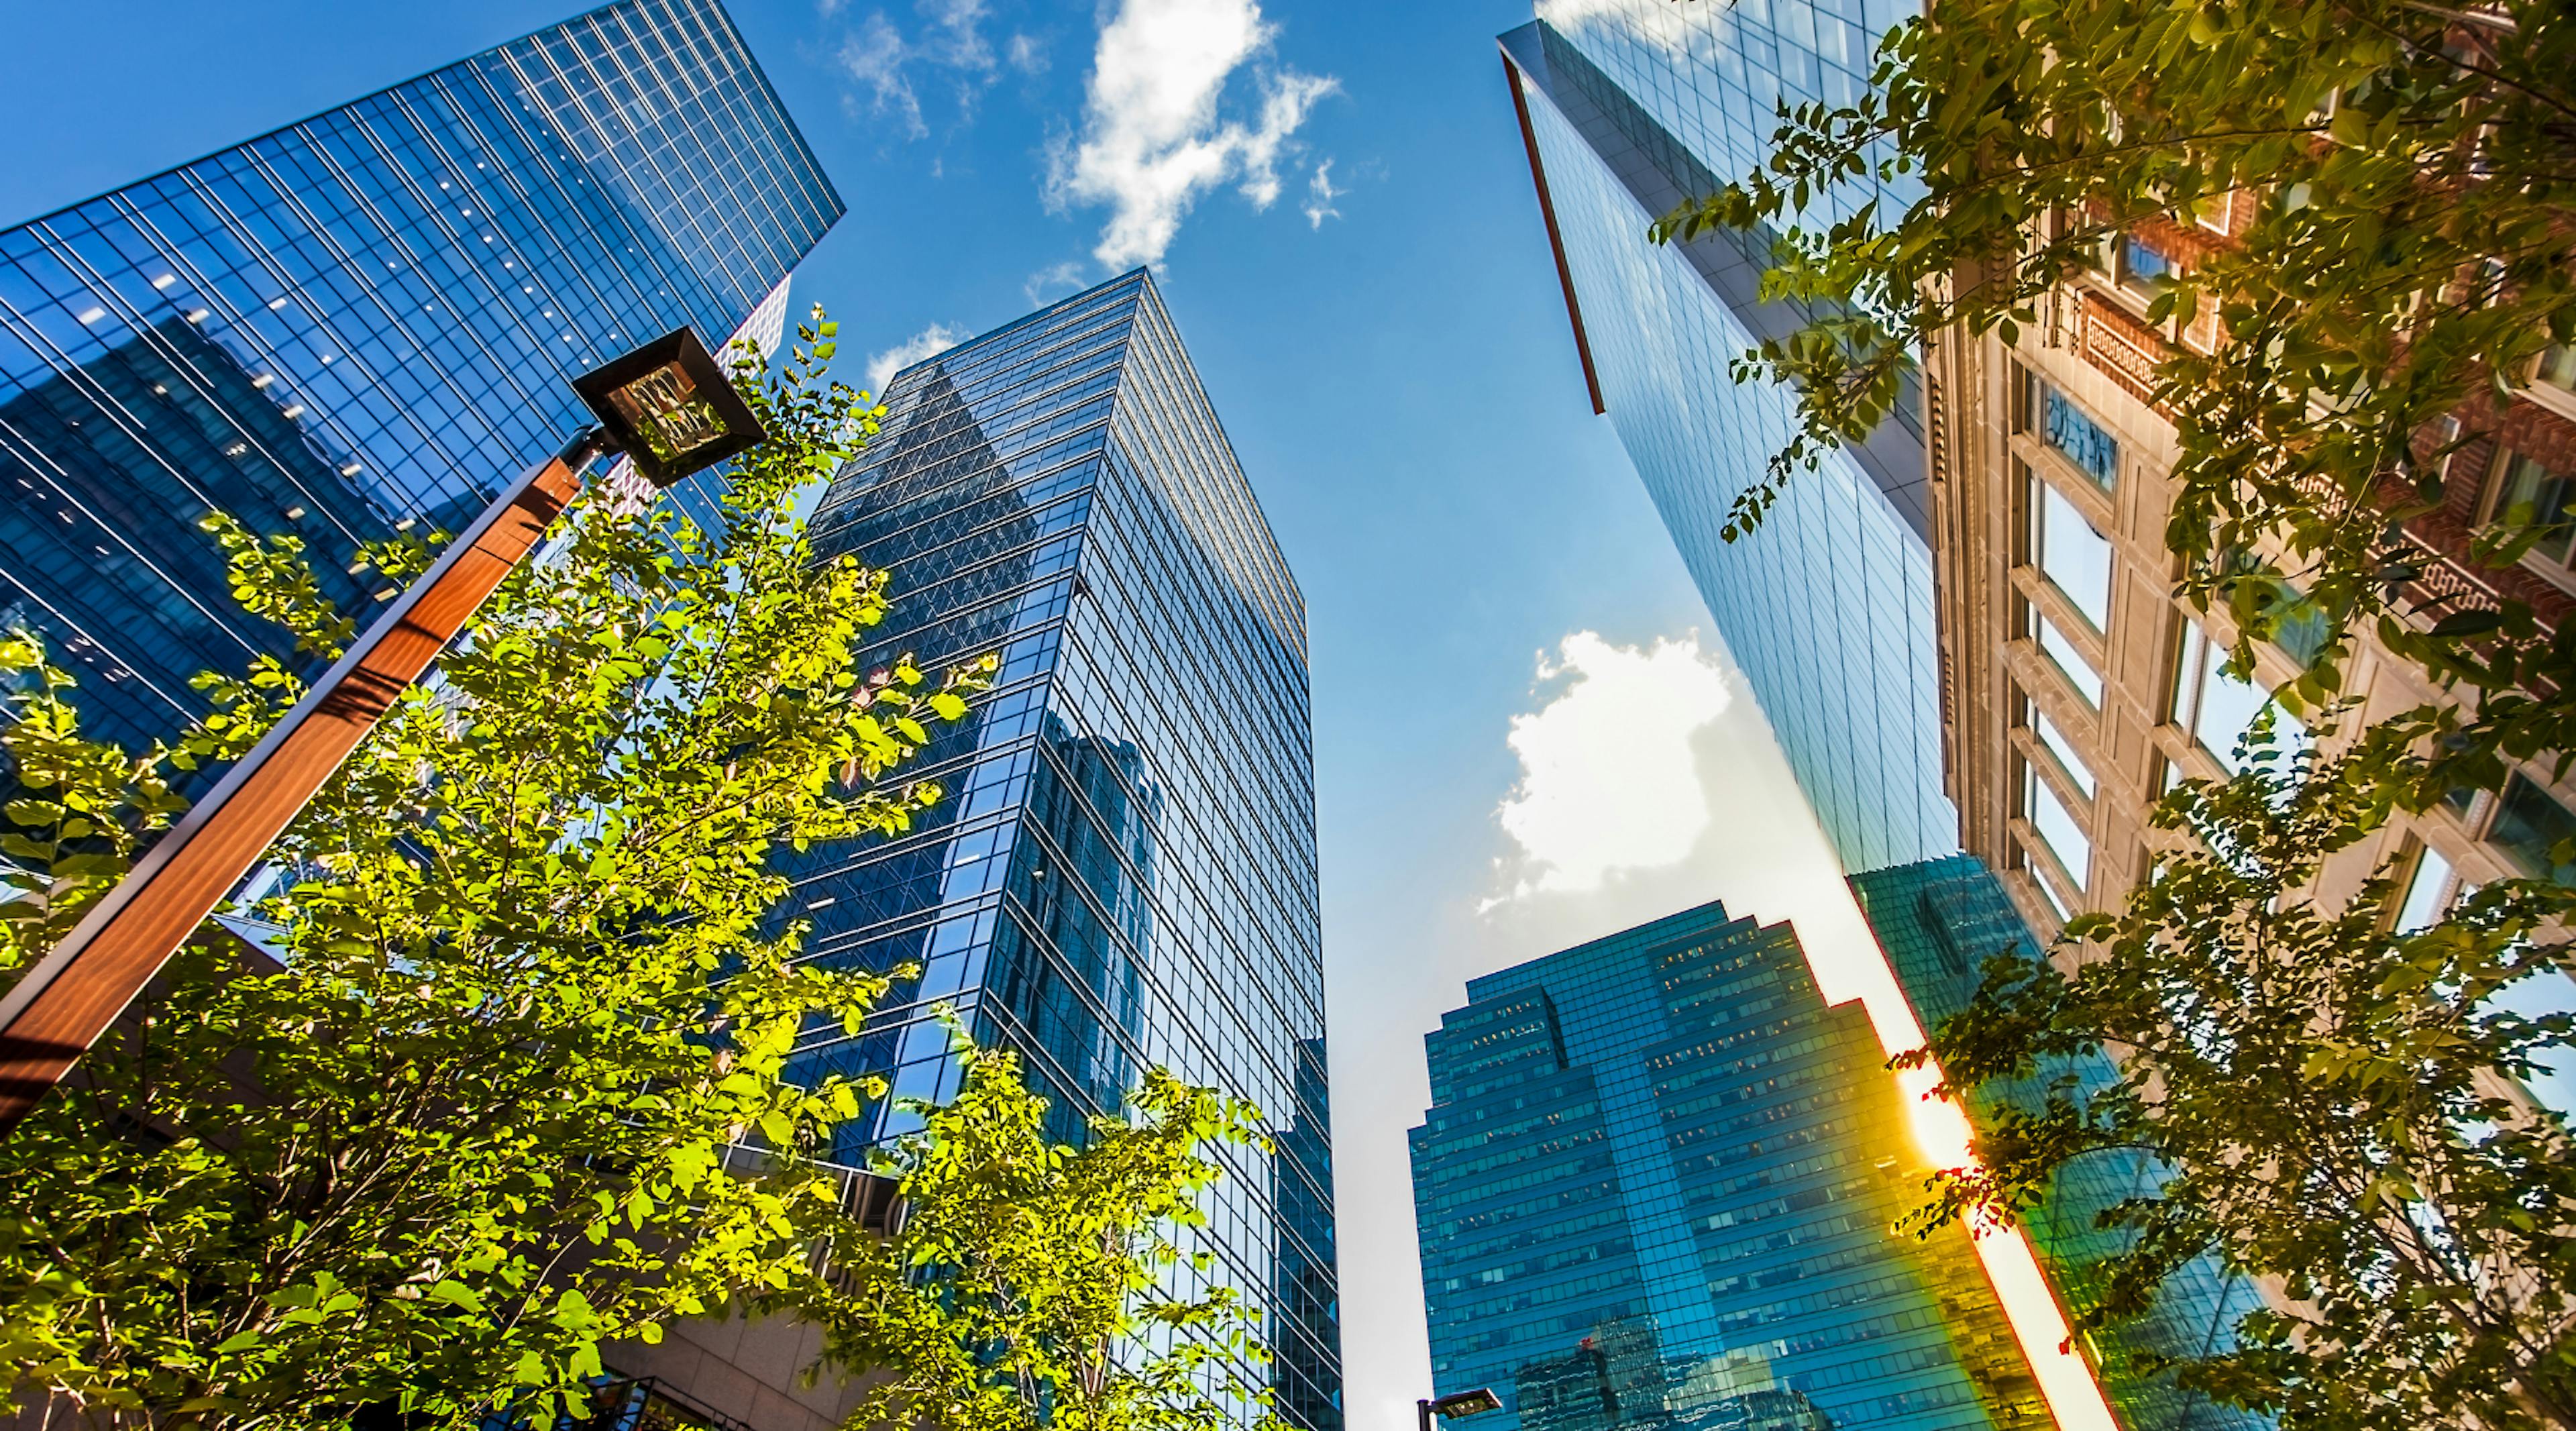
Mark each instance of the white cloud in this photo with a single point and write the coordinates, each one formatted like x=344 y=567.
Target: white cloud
x=1026 y=55
x=1608 y=779
x=930 y=342
x=956 y=38
x=950 y=42
x=874 y=56
x=1153 y=139
x=1052 y=282
x=1320 y=194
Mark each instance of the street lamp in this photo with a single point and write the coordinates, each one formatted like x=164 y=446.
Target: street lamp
x=1465 y=1403
x=666 y=405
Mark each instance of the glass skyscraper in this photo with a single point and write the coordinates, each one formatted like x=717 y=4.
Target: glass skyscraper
x=1656 y=1188
x=366 y=323
x=1939 y=922
x=1635 y=106
x=1122 y=874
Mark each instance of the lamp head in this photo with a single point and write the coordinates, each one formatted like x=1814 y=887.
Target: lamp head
x=669 y=408
x=1468 y=1403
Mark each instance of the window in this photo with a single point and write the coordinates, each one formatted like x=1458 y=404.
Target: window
x=2302 y=628
x=2048 y=890
x=2058 y=827
x=2213 y=211
x=2071 y=430
x=2054 y=741
x=2216 y=707
x=2529 y=826
x=2428 y=891
x=2553 y=1080
x=2070 y=662
x=2075 y=558
x=2522 y=482
x=2145 y=269
x=2557 y=367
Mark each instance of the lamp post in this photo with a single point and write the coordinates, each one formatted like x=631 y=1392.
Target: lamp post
x=666 y=405
x=1465 y=1403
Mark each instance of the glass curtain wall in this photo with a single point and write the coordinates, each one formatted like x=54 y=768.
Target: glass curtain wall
x=366 y=323
x=1122 y=874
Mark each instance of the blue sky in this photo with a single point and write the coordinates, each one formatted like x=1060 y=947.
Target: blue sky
x=1525 y=733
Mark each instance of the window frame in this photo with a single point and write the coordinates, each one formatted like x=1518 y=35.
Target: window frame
x=2031 y=417
x=2035 y=787
x=2070 y=761
x=2037 y=495
x=2186 y=706
x=2086 y=683
x=2495 y=499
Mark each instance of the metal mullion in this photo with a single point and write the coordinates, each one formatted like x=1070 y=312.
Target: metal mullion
x=428 y=438
x=646 y=157
x=894 y=533
x=1188 y=756
x=581 y=272
x=1155 y=555
x=1198 y=896
x=749 y=65
x=652 y=244
x=508 y=372
x=100 y=400
x=647 y=247
x=9 y=576
x=149 y=334
x=747 y=134
x=347 y=264
x=1232 y=950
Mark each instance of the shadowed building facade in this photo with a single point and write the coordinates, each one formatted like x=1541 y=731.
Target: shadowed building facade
x=1656 y=1188
x=1122 y=872
x=366 y=323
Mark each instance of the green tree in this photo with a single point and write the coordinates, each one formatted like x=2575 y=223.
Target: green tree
x=493 y=1110
x=1030 y=1284
x=2327 y=1097
x=2411 y=173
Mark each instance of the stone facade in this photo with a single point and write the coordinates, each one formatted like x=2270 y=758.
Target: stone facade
x=2022 y=729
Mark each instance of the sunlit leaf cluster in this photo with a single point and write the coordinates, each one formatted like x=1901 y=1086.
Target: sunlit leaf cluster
x=2329 y=1100
x=1033 y=1285
x=517 y=1090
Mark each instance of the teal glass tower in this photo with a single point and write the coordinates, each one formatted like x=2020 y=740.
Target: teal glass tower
x=1656 y=1188
x=1122 y=874
x=1635 y=106
x=1939 y=922
x=366 y=323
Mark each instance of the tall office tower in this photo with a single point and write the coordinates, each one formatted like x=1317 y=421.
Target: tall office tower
x=1656 y=1188
x=1123 y=872
x=366 y=323
x=1939 y=921
x=1633 y=107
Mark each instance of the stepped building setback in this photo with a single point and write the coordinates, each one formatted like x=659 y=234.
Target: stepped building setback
x=1657 y=1188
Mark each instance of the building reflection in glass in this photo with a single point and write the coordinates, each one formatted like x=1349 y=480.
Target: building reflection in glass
x=1122 y=872
x=366 y=323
